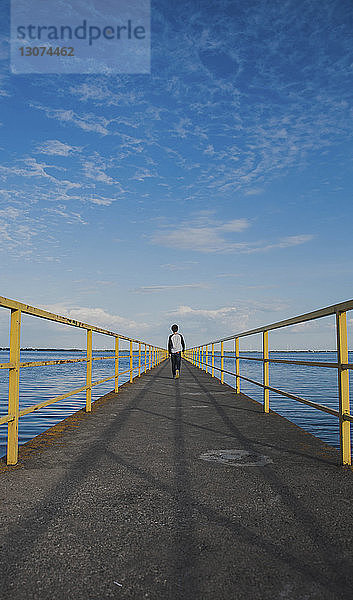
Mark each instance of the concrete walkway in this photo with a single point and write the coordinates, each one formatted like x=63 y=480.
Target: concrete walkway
x=119 y=504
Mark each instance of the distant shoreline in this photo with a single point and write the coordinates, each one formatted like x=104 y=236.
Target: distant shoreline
x=228 y=352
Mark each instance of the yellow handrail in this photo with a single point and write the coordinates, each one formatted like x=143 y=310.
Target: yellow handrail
x=342 y=365
x=14 y=365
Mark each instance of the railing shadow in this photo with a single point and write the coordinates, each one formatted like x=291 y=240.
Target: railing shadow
x=337 y=573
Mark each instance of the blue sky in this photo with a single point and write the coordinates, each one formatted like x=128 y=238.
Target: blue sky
x=215 y=192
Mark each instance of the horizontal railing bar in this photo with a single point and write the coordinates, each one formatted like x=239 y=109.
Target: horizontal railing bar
x=308 y=363
x=7 y=365
x=331 y=411
x=6 y=419
x=44 y=363
x=347 y=418
x=316 y=314
x=35 y=407
x=26 y=411
x=44 y=314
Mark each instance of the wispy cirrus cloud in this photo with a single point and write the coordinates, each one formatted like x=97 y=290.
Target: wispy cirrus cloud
x=30 y=167
x=148 y=289
x=101 y=201
x=95 y=167
x=179 y=266
x=86 y=121
x=57 y=148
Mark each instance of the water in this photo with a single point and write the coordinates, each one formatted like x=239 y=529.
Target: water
x=40 y=383
x=318 y=384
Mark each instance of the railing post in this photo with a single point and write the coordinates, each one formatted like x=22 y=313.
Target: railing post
x=206 y=359
x=212 y=360
x=116 y=387
x=139 y=359
x=89 y=372
x=222 y=363
x=145 y=358
x=14 y=387
x=149 y=357
x=266 y=371
x=237 y=367
x=343 y=387
x=131 y=363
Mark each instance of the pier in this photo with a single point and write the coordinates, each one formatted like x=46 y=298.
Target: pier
x=176 y=489
x=173 y=489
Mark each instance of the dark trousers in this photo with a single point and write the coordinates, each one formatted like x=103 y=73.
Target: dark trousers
x=176 y=360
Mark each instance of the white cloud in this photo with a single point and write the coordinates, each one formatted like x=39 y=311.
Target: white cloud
x=96 y=169
x=97 y=91
x=86 y=121
x=180 y=266
x=17 y=232
x=57 y=148
x=30 y=167
x=97 y=316
x=204 y=234
x=205 y=324
x=163 y=288
x=101 y=201
x=70 y=216
x=287 y=242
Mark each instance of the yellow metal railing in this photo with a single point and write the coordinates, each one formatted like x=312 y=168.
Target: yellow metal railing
x=153 y=355
x=195 y=356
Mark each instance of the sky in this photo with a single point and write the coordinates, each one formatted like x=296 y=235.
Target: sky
x=214 y=192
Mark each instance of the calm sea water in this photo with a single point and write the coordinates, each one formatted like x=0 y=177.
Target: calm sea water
x=318 y=384
x=40 y=383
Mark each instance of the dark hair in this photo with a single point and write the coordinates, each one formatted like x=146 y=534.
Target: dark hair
x=174 y=328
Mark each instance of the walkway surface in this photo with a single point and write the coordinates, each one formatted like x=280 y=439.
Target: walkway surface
x=119 y=504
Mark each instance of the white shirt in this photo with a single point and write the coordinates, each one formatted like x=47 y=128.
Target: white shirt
x=176 y=343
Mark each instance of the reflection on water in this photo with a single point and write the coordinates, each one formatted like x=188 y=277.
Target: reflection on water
x=40 y=383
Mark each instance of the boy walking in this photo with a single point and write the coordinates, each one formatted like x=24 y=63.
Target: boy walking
x=176 y=346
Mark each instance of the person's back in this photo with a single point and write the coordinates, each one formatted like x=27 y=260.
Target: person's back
x=176 y=346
